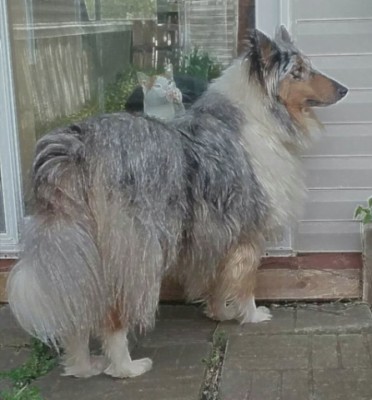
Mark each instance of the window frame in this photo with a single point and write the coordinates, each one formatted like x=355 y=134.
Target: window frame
x=9 y=147
x=269 y=15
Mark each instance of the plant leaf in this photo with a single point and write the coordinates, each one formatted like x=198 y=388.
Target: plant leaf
x=359 y=211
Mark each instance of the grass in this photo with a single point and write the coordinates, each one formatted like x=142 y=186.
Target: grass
x=41 y=360
x=214 y=367
x=25 y=393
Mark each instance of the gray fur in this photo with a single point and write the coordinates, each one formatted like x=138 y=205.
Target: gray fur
x=119 y=198
x=122 y=201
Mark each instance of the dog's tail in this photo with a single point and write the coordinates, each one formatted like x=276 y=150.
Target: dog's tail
x=54 y=290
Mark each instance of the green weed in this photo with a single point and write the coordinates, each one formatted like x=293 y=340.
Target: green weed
x=41 y=360
x=364 y=214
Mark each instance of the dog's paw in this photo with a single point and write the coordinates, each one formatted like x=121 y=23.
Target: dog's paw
x=96 y=366
x=260 y=314
x=221 y=312
x=129 y=370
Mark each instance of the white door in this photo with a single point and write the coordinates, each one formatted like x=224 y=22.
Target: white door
x=336 y=34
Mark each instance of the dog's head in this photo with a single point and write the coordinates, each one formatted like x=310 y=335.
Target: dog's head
x=287 y=76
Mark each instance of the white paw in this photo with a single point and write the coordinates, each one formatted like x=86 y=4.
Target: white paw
x=129 y=370
x=260 y=314
x=96 y=366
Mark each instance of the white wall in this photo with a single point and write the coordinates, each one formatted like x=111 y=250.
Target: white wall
x=337 y=35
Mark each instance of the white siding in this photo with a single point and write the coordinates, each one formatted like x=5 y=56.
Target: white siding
x=337 y=35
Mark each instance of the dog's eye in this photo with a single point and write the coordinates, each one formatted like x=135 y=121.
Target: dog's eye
x=297 y=73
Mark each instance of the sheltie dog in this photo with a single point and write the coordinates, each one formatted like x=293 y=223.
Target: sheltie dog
x=122 y=201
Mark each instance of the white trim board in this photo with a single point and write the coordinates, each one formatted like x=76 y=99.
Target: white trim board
x=270 y=14
x=9 y=147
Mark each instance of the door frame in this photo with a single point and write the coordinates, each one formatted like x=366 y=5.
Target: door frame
x=9 y=146
x=270 y=14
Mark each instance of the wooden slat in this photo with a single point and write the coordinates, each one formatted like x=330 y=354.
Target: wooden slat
x=308 y=284
x=3 y=278
x=307 y=277
x=293 y=284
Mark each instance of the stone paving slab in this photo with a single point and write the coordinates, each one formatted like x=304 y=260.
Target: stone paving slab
x=333 y=318
x=10 y=332
x=178 y=373
x=324 y=357
x=177 y=331
x=308 y=318
x=178 y=345
x=10 y=358
x=342 y=384
x=307 y=352
x=264 y=352
x=283 y=321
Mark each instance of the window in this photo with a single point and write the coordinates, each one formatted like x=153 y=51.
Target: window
x=69 y=59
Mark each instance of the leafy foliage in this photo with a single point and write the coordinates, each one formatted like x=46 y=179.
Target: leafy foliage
x=210 y=389
x=25 y=393
x=117 y=93
x=364 y=214
x=42 y=359
x=200 y=65
x=196 y=64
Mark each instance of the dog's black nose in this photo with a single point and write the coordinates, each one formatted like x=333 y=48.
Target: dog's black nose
x=342 y=91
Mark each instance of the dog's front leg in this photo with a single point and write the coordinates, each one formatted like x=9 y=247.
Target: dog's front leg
x=233 y=294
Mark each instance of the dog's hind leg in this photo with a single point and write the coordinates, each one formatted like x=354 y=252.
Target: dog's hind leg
x=77 y=360
x=232 y=296
x=115 y=344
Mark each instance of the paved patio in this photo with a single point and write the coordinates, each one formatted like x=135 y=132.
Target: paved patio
x=307 y=352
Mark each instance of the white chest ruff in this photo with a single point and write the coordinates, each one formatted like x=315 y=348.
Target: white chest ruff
x=279 y=172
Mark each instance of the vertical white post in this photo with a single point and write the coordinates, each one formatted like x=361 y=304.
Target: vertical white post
x=270 y=14
x=9 y=148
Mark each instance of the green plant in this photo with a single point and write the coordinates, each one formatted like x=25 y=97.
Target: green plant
x=200 y=64
x=41 y=360
x=218 y=349
x=214 y=363
x=364 y=214
x=25 y=393
x=117 y=93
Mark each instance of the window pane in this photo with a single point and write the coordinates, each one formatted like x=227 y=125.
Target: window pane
x=2 y=214
x=76 y=58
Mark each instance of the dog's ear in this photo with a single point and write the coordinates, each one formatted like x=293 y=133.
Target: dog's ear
x=283 y=35
x=264 y=46
x=168 y=73
x=143 y=79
